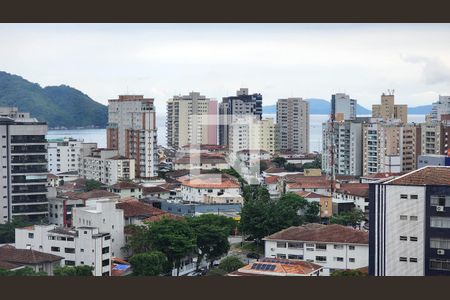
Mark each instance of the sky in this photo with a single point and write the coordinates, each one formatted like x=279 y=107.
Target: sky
x=276 y=60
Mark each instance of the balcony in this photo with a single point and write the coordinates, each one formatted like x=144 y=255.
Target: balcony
x=28 y=139
x=28 y=149
x=25 y=209
x=29 y=189
x=29 y=199
x=29 y=159
x=29 y=169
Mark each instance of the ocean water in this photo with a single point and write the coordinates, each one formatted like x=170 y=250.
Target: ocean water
x=99 y=135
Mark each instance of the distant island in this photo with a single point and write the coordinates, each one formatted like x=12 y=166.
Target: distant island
x=323 y=107
x=62 y=107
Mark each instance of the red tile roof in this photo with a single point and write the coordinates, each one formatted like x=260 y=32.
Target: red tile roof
x=135 y=208
x=154 y=189
x=299 y=181
x=430 y=175
x=354 y=189
x=275 y=170
x=205 y=158
x=271 y=179
x=89 y=195
x=124 y=185
x=213 y=181
x=310 y=195
x=11 y=258
x=322 y=233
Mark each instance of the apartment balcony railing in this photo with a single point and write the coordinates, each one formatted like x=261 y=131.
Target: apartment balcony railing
x=29 y=199
x=28 y=139
x=29 y=169
x=29 y=149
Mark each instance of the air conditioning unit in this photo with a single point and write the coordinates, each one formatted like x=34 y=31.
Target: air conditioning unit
x=439 y=208
x=440 y=251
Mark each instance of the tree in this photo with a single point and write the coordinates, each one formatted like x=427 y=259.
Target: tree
x=212 y=242
x=152 y=263
x=175 y=238
x=216 y=272
x=230 y=264
x=92 y=185
x=8 y=230
x=212 y=219
x=354 y=217
x=312 y=213
x=339 y=273
x=280 y=161
x=293 y=168
x=27 y=271
x=74 y=271
x=316 y=164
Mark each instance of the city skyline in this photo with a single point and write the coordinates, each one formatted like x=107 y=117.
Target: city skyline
x=276 y=60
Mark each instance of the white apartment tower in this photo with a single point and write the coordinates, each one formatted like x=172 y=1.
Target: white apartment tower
x=132 y=131
x=191 y=119
x=343 y=107
x=441 y=107
x=293 y=125
x=23 y=166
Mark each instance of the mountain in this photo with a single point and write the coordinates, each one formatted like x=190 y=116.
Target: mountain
x=59 y=106
x=317 y=107
x=322 y=107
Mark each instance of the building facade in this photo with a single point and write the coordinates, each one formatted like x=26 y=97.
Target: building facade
x=410 y=224
x=293 y=125
x=389 y=111
x=23 y=166
x=132 y=131
x=342 y=107
x=441 y=107
x=64 y=155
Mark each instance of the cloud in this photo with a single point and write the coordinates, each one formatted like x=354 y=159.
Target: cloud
x=434 y=71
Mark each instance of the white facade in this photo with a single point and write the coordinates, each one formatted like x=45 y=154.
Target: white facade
x=63 y=155
x=193 y=194
x=103 y=215
x=341 y=104
x=441 y=107
x=81 y=246
x=106 y=166
x=332 y=256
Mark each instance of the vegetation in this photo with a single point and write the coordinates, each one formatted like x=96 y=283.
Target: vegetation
x=7 y=230
x=280 y=161
x=339 y=273
x=216 y=272
x=93 y=185
x=230 y=264
x=316 y=164
x=353 y=218
x=74 y=271
x=152 y=263
x=57 y=105
x=27 y=271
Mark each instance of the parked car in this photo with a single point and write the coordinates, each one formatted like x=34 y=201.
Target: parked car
x=253 y=255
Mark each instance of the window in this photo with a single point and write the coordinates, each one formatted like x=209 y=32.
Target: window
x=440 y=243
x=85 y=231
x=30 y=235
x=105 y=250
x=413 y=238
x=338 y=247
x=69 y=263
x=403 y=217
x=414 y=197
x=413 y=218
x=403 y=238
x=403 y=259
x=281 y=244
x=105 y=262
x=70 y=239
x=440 y=222
x=403 y=196
x=351 y=259
x=321 y=247
x=81 y=250
x=413 y=259
x=295 y=245
x=54 y=249
x=281 y=255
x=351 y=247
x=440 y=264
x=340 y=259
x=321 y=258
x=293 y=256
x=107 y=237
x=440 y=201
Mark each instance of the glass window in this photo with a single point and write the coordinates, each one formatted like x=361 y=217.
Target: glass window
x=321 y=247
x=54 y=249
x=440 y=222
x=30 y=235
x=403 y=259
x=412 y=259
x=295 y=245
x=338 y=247
x=351 y=247
x=340 y=259
x=413 y=238
x=440 y=243
x=293 y=256
x=403 y=217
x=351 y=259
x=413 y=218
x=403 y=238
x=69 y=250
x=321 y=258
x=403 y=196
x=281 y=255
x=281 y=244
x=440 y=264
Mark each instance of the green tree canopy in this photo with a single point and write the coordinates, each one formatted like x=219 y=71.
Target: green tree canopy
x=74 y=271
x=230 y=264
x=339 y=273
x=27 y=271
x=280 y=161
x=152 y=263
x=93 y=185
x=353 y=217
x=8 y=230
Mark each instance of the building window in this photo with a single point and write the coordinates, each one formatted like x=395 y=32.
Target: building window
x=340 y=259
x=69 y=250
x=351 y=259
x=413 y=218
x=281 y=244
x=69 y=263
x=70 y=239
x=403 y=217
x=107 y=237
x=105 y=250
x=403 y=238
x=413 y=238
x=440 y=243
x=414 y=197
x=321 y=247
x=403 y=196
x=351 y=247
x=54 y=249
x=105 y=262
x=30 y=235
x=440 y=222
x=295 y=245
x=321 y=258
x=403 y=259
x=440 y=264
x=293 y=256
x=281 y=255
x=338 y=247
x=413 y=259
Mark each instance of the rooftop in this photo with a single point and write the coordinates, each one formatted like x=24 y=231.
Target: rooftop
x=271 y=179
x=206 y=158
x=11 y=258
x=310 y=195
x=135 y=208
x=333 y=233
x=277 y=267
x=154 y=189
x=213 y=181
x=125 y=185
x=354 y=189
x=89 y=195
x=430 y=175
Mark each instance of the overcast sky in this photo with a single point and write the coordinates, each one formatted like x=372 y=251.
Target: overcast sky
x=277 y=60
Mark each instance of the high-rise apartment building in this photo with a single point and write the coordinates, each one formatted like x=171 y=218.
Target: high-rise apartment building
x=409 y=232
x=388 y=110
x=191 y=120
x=343 y=107
x=243 y=104
x=389 y=147
x=432 y=138
x=293 y=125
x=346 y=139
x=249 y=133
x=441 y=107
x=23 y=166
x=132 y=131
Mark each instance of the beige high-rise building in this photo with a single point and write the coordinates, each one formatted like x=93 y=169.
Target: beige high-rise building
x=132 y=131
x=191 y=119
x=293 y=125
x=388 y=110
x=432 y=138
x=250 y=133
x=389 y=148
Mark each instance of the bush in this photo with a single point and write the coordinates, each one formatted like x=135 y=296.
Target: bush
x=230 y=264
